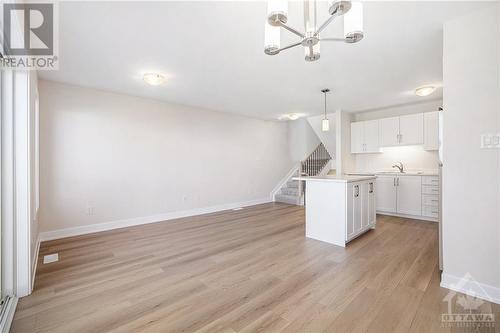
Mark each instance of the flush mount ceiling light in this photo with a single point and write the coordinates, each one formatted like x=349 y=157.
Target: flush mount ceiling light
x=325 y=123
x=424 y=91
x=277 y=17
x=291 y=116
x=153 y=79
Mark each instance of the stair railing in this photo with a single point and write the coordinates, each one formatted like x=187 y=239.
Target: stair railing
x=315 y=162
x=313 y=165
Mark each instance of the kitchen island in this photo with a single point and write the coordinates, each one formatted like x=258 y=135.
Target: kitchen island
x=339 y=208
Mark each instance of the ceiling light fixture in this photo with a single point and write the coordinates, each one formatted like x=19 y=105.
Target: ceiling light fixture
x=277 y=17
x=425 y=91
x=153 y=79
x=325 y=123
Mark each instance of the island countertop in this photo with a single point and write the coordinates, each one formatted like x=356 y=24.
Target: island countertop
x=335 y=179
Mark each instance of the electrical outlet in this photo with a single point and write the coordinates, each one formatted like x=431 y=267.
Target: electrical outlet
x=490 y=140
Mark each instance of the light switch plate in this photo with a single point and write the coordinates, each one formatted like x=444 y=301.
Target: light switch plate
x=490 y=140
x=51 y=258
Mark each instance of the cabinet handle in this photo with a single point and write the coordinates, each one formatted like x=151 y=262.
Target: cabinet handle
x=356 y=191
x=394 y=181
x=398 y=182
x=371 y=188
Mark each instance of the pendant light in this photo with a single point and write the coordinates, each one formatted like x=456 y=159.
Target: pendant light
x=325 y=123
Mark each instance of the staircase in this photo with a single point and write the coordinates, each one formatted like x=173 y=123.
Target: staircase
x=292 y=191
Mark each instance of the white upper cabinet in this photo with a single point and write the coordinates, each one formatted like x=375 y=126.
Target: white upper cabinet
x=411 y=129
x=431 y=130
x=389 y=131
x=371 y=131
x=365 y=137
x=402 y=131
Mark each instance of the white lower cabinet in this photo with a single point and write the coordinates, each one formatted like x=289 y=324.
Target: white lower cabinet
x=408 y=195
x=361 y=214
x=386 y=194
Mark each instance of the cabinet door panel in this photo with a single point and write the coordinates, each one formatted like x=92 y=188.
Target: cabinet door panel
x=389 y=131
x=371 y=136
x=411 y=129
x=349 y=230
x=364 y=205
x=357 y=140
x=431 y=130
x=386 y=194
x=410 y=195
x=356 y=207
x=372 y=216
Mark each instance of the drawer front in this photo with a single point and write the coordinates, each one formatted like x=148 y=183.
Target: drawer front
x=430 y=200
x=427 y=189
x=430 y=180
x=430 y=211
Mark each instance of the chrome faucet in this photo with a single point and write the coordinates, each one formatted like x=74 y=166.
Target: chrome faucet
x=400 y=167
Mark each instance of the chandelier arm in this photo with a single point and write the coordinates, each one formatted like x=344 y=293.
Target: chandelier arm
x=332 y=39
x=325 y=24
x=292 y=30
x=290 y=46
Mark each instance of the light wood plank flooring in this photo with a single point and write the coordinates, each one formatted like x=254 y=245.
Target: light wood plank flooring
x=250 y=270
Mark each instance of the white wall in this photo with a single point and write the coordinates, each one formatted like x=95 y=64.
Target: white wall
x=329 y=137
x=345 y=160
x=108 y=157
x=34 y=170
x=301 y=139
x=471 y=177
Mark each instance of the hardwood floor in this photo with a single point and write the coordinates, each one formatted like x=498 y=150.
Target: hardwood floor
x=250 y=270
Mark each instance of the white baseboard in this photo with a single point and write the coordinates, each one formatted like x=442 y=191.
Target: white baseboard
x=415 y=217
x=8 y=314
x=88 y=229
x=35 y=262
x=471 y=287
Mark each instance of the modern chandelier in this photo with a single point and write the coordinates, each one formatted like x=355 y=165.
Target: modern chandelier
x=277 y=18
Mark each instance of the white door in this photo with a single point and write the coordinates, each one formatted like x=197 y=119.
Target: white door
x=411 y=129
x=389 y=131
x=371 y=203
x=386 y=194
x=357 y=141
x=431 y=130
x=371 y=137
x=409 y=195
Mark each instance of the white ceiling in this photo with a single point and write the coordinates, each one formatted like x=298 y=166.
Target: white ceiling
x=212 y=54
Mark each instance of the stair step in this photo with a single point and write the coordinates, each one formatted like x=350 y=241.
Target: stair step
x=290 y=191
x=287 y=199
x=292 y=184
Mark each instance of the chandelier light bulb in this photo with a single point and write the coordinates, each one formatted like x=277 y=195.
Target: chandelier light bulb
x=353 y=23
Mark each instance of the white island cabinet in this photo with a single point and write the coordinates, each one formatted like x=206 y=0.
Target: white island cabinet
x=339 y=208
